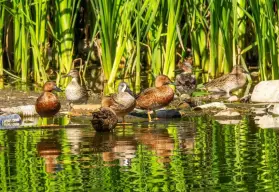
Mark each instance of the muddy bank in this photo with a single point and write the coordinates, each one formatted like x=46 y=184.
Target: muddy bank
x=10 y=97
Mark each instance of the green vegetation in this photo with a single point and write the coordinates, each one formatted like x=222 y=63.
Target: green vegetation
x=40 y=39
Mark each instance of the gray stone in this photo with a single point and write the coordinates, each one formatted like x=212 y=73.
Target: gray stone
x=266 y=91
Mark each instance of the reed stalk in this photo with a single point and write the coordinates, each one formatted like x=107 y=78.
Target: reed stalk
x=21 y=40
x=38 y=39
x=196 y=28
x=214 y=13
x=114 y=25
x=138 y=55
x=106 y=12
x=2 y=23
x=242 y=24
x=266 y=22
x=173 y=16
x=65 y=21
x=151 y=34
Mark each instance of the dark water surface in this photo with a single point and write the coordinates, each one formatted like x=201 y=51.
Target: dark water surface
x=192 y=154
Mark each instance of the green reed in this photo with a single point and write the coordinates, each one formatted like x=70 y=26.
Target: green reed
x=141 y=35
x=266 y=24
x=2 y=23
x=196 y=27
x=65 y=17
x=21 y=39
x=171 y=37
x=38 y=38
x=114 y=23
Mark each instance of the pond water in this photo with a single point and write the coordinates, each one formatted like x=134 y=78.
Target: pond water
x=189 y=154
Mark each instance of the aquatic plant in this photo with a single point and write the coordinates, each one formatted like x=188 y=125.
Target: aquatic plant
x=135 y=38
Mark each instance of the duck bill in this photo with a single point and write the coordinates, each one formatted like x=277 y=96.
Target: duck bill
x=172 y=83
x=57 y=89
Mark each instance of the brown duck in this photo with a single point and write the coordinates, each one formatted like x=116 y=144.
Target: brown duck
x=156 y=97
x=229 y=82
x=47 y=104
x=122 y=102
x=104 y=119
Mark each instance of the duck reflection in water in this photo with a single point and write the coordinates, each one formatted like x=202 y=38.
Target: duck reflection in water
x=159 y=141
x=112 y=147
x=49 y=150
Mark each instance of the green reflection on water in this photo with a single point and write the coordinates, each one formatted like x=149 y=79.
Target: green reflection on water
x=194 y=154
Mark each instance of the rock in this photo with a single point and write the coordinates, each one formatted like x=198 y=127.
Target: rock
x=184 y=106
x=274 y=109
x=233 y=98
x=231 y=113
x=266 y=91
x=217 y=105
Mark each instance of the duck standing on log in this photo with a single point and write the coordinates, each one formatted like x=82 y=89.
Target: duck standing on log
x=157 y=97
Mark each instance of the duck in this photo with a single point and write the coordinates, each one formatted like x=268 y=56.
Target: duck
x=104 y=119
x=122 y=102
x=75 y=93
x=157 y=97
x=47 y=104
x=185 y=82
x=229 y=82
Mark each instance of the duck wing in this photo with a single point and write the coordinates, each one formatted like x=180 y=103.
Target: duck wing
x=154 y=98
x=123 y=100
x=218 y=81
